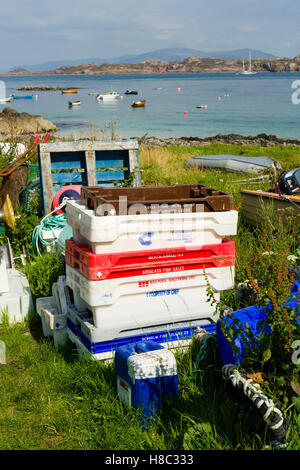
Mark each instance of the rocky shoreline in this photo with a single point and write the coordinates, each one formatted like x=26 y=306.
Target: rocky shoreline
x=14 y=124
x=42 y=88
x=261 y=140
x=24 y=125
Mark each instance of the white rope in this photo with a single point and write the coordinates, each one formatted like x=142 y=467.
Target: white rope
x=252 y=390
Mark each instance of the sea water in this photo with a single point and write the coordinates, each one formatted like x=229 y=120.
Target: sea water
x=246 y=105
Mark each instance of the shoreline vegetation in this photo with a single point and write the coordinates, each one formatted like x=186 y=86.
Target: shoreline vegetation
x=192 y=64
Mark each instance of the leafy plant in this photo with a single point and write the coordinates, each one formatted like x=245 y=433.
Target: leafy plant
x=43 y=271
x=21 y=235
x=269 y=348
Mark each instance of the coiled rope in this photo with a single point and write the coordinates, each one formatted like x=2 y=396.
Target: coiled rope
x=270 y=413
x=49 y=223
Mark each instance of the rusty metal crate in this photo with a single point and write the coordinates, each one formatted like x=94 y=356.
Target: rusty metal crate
x=156 y=199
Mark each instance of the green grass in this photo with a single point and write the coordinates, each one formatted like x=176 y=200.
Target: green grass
x=51 y=400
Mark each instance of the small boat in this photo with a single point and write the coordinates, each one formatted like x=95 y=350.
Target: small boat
x=138 y=104
x=65 y=92
x=110 y=95
x=281 y=202
x=74 y=103
x=256 y=203
x=249 y=71
x=23 y=97
x=6 y=100
x=131 y=92
x=233 y=163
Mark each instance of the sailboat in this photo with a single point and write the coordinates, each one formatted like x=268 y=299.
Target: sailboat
x=250 y=71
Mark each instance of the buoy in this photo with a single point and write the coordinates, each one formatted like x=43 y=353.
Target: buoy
x=219 y=98
x=72 y=192
x=178 y=89
x=185 y=113
x=205 y=106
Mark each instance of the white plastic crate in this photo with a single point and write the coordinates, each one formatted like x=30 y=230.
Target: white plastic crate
x=82 y=324
x=182 y=341
x=156 y=231
x=54 y=323
x=50 y=236
x=84 y=352
x=143 y=301
x=17 y=302
x=4 y=287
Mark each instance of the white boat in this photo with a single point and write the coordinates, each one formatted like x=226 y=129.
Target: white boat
x=74 y=103
x=249 y=71
x=108 y=96
x=6 y=100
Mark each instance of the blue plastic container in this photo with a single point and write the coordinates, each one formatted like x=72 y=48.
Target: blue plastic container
x=163 y=336
x=145 y=373
x=250 y=315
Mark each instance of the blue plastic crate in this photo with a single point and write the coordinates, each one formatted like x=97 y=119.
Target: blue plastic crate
x=250 y=315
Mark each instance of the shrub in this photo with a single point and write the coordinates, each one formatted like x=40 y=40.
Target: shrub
x=42 y=272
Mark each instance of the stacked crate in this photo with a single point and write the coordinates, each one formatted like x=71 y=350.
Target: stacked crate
x=140 y=262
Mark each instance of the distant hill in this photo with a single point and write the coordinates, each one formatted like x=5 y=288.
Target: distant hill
x=164 y=55
x=192 y=64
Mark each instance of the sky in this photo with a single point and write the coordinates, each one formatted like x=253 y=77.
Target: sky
x=36 y=31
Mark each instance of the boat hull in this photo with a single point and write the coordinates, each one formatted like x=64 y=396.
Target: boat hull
x=109 y=96
x=256 y=204
x=233 y=163
x=138 y=104
x=27 y=97
x=69 y=92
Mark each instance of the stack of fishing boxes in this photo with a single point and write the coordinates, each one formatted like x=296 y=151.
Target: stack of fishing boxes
x=140 y=262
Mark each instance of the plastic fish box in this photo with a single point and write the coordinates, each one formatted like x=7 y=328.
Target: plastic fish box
x=132 y=302
x=54 y=324
x=146 y=372
x=137 y=263
x=125 y=233
x=17 y=301
x=83 y=325
x=101 y=343
x=250 y=316
x=149 y=199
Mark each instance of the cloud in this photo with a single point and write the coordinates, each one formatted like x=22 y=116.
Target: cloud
x=36 y=31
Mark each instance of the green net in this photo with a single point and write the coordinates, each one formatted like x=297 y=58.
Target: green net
x=30 y=197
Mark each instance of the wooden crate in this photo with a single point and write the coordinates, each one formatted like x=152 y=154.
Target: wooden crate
x=86 y=164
